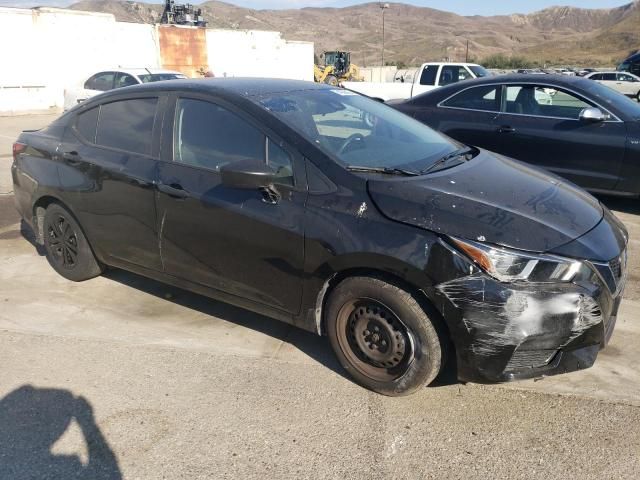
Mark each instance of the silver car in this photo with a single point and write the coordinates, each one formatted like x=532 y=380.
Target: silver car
x=626 y=83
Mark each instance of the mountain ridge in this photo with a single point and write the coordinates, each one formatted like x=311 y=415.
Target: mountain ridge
x=555 y=35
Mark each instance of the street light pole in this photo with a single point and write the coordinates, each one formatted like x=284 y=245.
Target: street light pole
x=383 y=7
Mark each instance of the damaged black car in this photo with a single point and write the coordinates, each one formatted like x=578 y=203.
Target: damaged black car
x=337 y=214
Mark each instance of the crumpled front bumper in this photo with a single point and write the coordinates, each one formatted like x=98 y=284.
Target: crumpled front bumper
x=505 y=331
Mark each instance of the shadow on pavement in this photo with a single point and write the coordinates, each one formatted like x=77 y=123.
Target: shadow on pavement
x=315 y=347
x=33 y=419
x=312 y=345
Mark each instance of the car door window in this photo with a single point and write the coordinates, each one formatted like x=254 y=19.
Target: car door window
x=280 y=161
x=125 y=80
x=477 y=98
x=623 y=77
x=428 y=76
x=453 y=73
x=86 y=124
x=542 y=101
x=210 y=136
x=101 y=81
x=127 y=125
x=597 y=76
x=609 y=77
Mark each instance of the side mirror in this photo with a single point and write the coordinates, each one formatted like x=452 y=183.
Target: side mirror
x=592 y=115
x=247 y=174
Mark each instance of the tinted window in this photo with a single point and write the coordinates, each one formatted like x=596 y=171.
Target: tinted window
x=596 y=76
x=207 y=135
x=86 y=124
x=125 y=80
x=543 y=102
x=611 y=77
x=623 y=77
x=453 y=73
x=479 y=71
x=280 y=160
x=158 y=77
x=100 y=81
x=477 y=98
x=127 y=125
x=428 y=76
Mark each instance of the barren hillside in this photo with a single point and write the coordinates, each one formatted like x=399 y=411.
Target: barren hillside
x=415 y=34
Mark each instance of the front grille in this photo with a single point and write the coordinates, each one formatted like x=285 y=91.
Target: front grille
x=525 y=359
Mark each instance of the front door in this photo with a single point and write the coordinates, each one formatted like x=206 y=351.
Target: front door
x=541 y=125
x=236 y=241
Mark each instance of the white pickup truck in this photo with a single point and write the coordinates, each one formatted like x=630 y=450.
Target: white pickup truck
x=429 y=76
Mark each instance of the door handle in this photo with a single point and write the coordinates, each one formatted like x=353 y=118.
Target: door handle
x=506 y=129
x=174 y=190
x=72 y=158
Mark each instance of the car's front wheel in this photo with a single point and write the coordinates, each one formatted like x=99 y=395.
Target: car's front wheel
x=382 y=336
x=68 y=250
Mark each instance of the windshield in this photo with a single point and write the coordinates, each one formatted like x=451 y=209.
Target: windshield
x=158 y=77
x=358 y=131
x=612 y=98
x=479 y=71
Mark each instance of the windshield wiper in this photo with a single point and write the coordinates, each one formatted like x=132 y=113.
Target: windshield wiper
x=461 y=153
x=383 y=170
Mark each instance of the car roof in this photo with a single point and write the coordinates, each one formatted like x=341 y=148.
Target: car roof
x=238 y=86
x=454 y=63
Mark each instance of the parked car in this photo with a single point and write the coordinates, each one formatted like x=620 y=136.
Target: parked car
x=428 y=77
x=574 y=127
x=108 y=80
x=335 y=213
x=631 y=64
x=586 y=71
x=626 y=83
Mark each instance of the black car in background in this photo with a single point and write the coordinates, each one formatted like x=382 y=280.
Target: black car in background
x=335 y=213
x=576 y=128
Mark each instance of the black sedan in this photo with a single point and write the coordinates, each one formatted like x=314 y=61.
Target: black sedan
x=335 y=213
x=576 y=128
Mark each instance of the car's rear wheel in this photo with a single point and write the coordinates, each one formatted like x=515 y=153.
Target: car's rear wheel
x=382 y=336
x=638 y=96
x=68 y=250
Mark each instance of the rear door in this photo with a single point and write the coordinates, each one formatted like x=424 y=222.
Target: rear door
x=240 y=242
x=109 y=169
x=467 y=116
x=540 y=124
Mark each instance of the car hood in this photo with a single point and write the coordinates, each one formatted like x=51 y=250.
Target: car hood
x=491 y=199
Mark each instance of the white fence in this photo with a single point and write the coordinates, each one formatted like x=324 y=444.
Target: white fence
x=45 y=50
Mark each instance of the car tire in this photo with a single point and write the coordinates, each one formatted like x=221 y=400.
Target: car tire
x=638 y=97
x=382 y=336
x=68 y=250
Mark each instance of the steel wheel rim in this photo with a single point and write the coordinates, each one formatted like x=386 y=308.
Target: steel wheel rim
x=63 y=242
x=374 y=339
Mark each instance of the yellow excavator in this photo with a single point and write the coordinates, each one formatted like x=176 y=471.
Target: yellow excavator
x=337 y=68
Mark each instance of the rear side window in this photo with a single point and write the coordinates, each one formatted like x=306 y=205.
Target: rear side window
x=127 y=125
x=609 y=77
x=597 y=76
x=477 y=98
x=86 y=124
x=428 y=76
x=100 y=81
x=210 y=136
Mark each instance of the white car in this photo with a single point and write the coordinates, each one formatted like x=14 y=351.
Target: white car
x=428 y=76
x=624 y=82
x=110 y=79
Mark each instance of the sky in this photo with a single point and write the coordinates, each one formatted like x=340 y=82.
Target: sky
x=462 y=7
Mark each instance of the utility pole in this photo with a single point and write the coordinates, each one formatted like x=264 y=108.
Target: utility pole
x=383 y=7
x=466 y=57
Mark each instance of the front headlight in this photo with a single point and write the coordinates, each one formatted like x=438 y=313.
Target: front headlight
x=508 y=265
